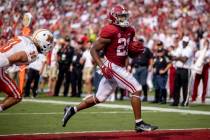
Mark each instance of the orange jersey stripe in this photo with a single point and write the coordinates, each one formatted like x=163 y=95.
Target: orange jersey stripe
x=10 y=44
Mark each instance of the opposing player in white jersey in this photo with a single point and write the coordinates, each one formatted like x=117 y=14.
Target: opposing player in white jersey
x=20 y=50
x=114 y=40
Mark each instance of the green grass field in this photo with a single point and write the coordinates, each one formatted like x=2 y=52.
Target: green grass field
x=36 y=117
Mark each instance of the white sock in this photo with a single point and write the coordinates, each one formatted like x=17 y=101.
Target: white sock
x=75 y=109
x=1 y=109
x=139 y=120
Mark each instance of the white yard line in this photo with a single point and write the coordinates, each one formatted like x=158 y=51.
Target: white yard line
x=195 y=112
x=124 y=107
x=55 y=113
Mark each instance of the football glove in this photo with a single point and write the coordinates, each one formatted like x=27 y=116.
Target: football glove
x=107 y=72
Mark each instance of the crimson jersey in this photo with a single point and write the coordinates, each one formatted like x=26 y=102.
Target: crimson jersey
x=117 y=51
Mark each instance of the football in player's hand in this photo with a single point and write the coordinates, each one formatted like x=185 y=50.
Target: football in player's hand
x=135 y=49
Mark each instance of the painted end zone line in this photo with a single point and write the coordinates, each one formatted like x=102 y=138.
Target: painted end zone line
x=83 y=132
x=195 y=112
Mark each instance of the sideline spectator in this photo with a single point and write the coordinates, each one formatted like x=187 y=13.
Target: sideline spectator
x=154 y=19
x=65 y=55
x=160 y=69
x=143 y=64
x=87 y=61
x=204 y=73
x=172 y=69
x=76 y=77
x=35 y=70
x=53 y=68
x=183 y=63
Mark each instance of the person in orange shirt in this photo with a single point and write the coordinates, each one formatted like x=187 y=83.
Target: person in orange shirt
x=26 y=31
x=20 y=50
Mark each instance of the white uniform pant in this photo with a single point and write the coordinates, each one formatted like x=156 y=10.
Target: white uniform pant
x=121 y=78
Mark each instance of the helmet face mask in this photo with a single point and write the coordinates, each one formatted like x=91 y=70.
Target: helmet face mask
x=122 y=20
x=44 y=39
x=119 y=16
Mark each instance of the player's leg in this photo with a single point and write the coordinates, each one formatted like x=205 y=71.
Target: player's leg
x=140 y=125
x=69 y=111
x=106 y=87
x=136 y=104
x=9 y=87
x=10 y=101
x=1 y=102
x=88 y=102
x=127 y=81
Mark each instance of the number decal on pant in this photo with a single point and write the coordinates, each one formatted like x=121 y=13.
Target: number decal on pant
x=122 y=49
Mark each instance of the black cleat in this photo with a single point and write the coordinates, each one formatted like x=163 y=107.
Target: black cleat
x=68 y=113
x=142 y=126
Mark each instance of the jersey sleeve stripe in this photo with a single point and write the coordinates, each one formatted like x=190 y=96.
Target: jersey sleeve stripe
x=10 y=44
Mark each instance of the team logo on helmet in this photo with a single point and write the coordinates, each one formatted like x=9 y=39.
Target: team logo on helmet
x=44 y=39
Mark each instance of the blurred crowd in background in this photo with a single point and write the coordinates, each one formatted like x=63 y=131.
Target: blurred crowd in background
x=159 y=24
x=151 y=18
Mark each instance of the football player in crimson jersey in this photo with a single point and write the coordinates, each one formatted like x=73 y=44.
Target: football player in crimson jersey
x=20 y=50
x=114 y=40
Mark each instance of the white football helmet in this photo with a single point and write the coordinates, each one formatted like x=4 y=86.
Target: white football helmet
x=44 y=39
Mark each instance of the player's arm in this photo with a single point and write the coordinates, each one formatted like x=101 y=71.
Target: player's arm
x=162 y=71
x=43 y=66
x=181 y=58
x=82 y=60
x=19 y=57
x=151 y=62
x=100 y=44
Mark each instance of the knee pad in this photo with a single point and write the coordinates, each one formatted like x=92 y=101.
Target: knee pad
x=136 y=94
x=96 y=101
x=101 y=99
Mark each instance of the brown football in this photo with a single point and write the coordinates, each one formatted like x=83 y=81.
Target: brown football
x=135 y=48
